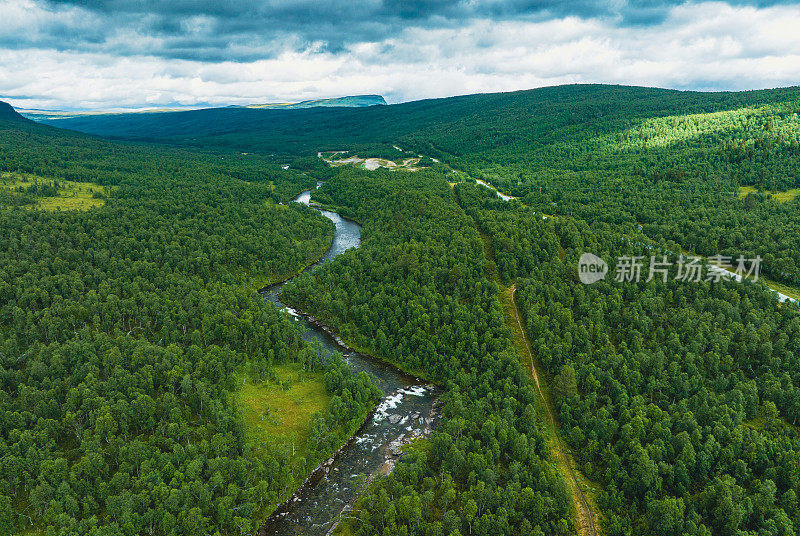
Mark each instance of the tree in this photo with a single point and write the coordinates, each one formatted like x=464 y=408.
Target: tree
x=565 y=385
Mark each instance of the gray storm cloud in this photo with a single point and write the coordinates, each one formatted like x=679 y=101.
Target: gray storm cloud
x=248 y=30
x=115 y=54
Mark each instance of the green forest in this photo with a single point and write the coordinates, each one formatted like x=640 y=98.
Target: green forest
x=622 y=408
x=673 y=162
x=123 y=328
x=680 y=398
x=417 y=294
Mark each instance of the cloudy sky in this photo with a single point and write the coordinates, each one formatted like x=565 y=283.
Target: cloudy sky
x=112 y=54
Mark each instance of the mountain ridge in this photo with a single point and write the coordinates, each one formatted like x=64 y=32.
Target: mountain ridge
x=482 y=120
x=7 y=112
x=350 y=101
x=55 y=117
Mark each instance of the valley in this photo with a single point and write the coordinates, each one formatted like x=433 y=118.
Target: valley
x=422 y=358
x=407 y=412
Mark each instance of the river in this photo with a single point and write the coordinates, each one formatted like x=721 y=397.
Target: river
x=407 y=410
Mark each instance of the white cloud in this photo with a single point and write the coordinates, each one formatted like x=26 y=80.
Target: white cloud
x=708 y=45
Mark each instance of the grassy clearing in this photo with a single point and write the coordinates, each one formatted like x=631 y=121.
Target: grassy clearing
x=788 y=195
x=780 y=197
x=280 y=412
x=79 y=202
x=71 y=195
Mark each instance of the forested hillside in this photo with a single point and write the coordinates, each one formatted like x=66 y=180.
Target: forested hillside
x=677 y=401
x=681 y=398
x=471 y=126
x=123 y=328
x=672 y=161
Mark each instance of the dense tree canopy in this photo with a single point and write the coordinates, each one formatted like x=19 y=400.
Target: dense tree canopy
x=682 y=398
x=121 y=329
x=417 y=294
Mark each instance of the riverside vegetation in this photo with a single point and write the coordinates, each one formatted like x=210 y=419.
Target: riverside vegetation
x=678 y=402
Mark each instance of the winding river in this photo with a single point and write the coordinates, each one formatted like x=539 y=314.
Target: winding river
x=407 y=411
